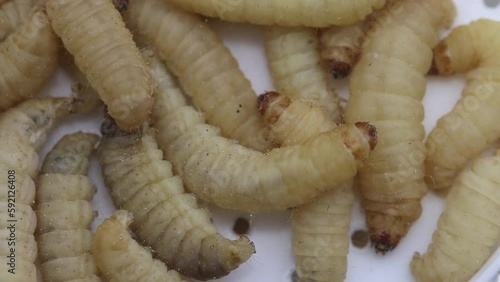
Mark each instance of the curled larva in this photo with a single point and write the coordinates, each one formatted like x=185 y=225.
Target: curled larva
x=296 y=68
x=314 y=13
x=468 y=230
x=64 y=242
x=472 y=49
x=22 y=133
x=232 y=176
x=387 y=86
x=95 y=34
x=122 y=259
x=167 y=219
x=27 y=59
x=12 y=14
x=205 y=68
x=320 y=228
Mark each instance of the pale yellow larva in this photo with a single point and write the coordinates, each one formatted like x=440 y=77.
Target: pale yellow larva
x=232 y=176
x=312 y=13
x=471 y=126
x=387 y=86
x=468 y=230
x=204 y=67
x=95 y=34
x=23 y=131
x=297 y=70
x=28 y=57
x=167 y=219
x=122 y=259
x=63 y=187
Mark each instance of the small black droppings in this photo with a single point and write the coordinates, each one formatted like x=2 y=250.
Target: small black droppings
x=241 y=226
x=360 y=238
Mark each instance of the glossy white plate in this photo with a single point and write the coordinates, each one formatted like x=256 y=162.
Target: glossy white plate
x=271 y=233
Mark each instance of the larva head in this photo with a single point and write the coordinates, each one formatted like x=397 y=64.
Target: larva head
x=359 y=139
x=341 y=61
x=121 y=5
x=221 y=256
x=110 y=129
x=42 y=113
x=70 y=155
x=271 y=105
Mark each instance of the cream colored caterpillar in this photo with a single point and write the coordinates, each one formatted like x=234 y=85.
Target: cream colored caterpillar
x=232 y=176
x=95 y=34
x=63 y=188
x=387 y=86
x=122 y=259
x=468 y=231
x=12 y=14
x=321 y=227
x=470 y=49
x=28 y=58
x=167 y=219
x=295 y=64
x=205 y=68
x=23 y=131
x=315 y=13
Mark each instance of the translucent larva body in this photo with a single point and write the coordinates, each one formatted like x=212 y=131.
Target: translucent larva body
x=95 y=34
x=205 y=68
x=321 y=227
x=387 y=86
x=27 y=59
x=167 y=219
x=468 y=230
x=232 y=176
x=284 y=13
x=122 y=259
x=295 y=64
x=12 y=14
x=23 y=131
x=63 y=187
x=472 y=49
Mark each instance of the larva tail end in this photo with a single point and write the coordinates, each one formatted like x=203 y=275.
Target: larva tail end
x=384 y=242
x=271 y=105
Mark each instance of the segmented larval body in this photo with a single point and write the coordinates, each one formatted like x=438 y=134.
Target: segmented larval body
x=387 y=86
x=122 y=259
x=232 y=176
x=205 y=68
x=321 y=227
x=64 y=213
x=295 y=63
x=12 y=14
x=471 y=126
x=468 y=230
x=314 y=13
x=23 y=131
x=167 y=219
x=95 y=34
x=28 y=57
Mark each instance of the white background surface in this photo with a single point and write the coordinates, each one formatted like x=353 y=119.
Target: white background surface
x=271 y=233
